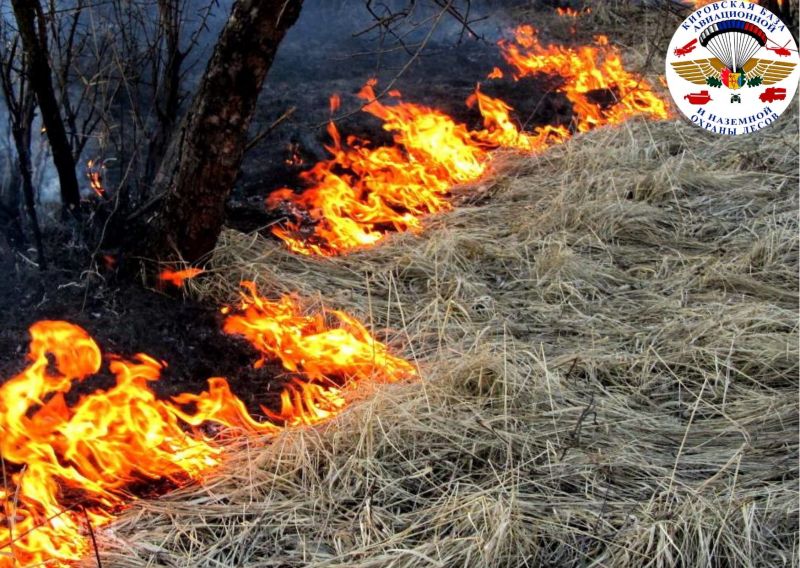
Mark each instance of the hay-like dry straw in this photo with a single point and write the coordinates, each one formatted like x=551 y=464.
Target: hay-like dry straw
x=608 y=346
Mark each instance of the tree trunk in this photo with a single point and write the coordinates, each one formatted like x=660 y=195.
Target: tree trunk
x=167 y=102
x=209 y=146
x=22 y=139
x=32 y=30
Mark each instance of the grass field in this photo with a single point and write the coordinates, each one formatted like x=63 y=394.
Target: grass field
x=607 y=340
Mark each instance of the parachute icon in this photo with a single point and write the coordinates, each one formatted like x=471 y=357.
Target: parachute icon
x=733 y=42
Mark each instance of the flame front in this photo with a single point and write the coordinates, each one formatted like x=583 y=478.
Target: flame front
x=64 y=465
x=307 y=344
x=587 y=71
x=572 y=12
x=95 y=448
x=363 y=191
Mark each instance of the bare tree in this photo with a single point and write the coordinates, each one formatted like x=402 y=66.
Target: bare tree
x=114 y=78
x=175 y=44
x=19 y=98
x=33 y=33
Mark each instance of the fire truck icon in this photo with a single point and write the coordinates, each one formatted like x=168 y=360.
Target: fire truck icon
x=700 y=98
x=772 y=94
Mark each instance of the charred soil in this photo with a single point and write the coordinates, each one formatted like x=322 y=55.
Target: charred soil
x=125 y=318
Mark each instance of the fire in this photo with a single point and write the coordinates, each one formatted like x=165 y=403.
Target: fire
x=587 y=71
x=293 y=155
x=572 y=12
x=496 y=73
x=501 y=132
x=335 y=103
x=307 y=344
x=68 y=465
x=178 y=277
x=94 y=173
x=362 y=192
x=106 y=441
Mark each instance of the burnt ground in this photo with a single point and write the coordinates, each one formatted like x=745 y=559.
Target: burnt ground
x=126 y=318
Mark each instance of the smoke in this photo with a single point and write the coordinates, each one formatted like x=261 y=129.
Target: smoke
x=335 y=46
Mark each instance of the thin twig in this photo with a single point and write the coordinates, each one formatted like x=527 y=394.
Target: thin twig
x=261 y=135
x=91 y=534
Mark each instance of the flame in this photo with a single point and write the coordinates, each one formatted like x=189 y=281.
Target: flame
x=362 y=189
x=362 y=192
x=587 y=71
x=105 y=442
x=94 y=173
x=178 y=277
x=496 y=73
x=572 y=12
x=294 y=157
x=501 y=132
x=66 y=465
x=307 y=344
x=335 y=103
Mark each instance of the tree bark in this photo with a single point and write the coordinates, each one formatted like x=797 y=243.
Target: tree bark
x=23 y=142
x=167 y=96
x=209 y=146
x=32 y=30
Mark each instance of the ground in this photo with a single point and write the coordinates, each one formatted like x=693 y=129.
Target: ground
x=126 y=318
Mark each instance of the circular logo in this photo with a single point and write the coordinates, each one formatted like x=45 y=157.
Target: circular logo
x=732 y=67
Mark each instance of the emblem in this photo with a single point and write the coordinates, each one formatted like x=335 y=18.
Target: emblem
x=745 y=59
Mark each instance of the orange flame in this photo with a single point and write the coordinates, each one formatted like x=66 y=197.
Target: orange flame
x=496 y=73
x=294 y=157
x=64 y=464
x=501 y=132
x=363 y=189
x=307 y=344
x=363 y=192
x=94 y=173
x=572 y=12
x=178 y=277
x=335 y=104
x=587 y=71
x=106 y=441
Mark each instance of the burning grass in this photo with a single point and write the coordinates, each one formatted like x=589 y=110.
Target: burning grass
x=608 y=355
x=362 y=192
x=66 y=466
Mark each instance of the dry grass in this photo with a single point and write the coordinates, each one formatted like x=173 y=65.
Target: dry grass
x=608 y=346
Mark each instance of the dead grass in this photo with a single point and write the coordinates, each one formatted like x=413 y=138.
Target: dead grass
x=609 y=352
